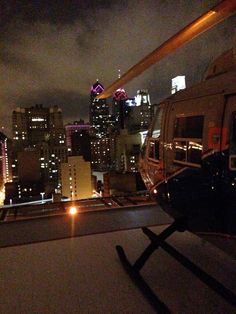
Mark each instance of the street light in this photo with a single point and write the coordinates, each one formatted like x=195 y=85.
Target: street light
x=42 y=195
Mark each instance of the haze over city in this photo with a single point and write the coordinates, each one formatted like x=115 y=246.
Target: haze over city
x=52 y=52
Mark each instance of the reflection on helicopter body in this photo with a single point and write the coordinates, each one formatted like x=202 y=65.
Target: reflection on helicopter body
x=188 y=160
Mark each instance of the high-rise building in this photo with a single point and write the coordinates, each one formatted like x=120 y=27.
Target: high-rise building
x=98 y=112
x=50 y=159
x=29 y=184
x=76 y=178
x=41 y=129
x=81 y=144
x=141 y=114
x=119 y=108
x=3 y=156
x=7 y=164
x=34 y=125
x=146 y=109
x=127 y=151
x=102 y=153
x=78 y=139
x=29 y=165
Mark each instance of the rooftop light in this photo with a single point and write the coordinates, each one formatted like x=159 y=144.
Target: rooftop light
x=73 y=211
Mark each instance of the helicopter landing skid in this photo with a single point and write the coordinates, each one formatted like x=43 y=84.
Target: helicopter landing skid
x=159 y=241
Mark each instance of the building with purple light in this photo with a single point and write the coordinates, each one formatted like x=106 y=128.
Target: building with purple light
x=99 y=116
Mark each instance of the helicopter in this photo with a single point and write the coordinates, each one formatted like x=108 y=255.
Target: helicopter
x=188 y=160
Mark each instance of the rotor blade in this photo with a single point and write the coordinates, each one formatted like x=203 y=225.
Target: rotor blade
x=215 y=15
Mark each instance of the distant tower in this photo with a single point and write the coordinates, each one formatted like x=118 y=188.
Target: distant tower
x=144 y=109
x=119 y=107
x=99 y=111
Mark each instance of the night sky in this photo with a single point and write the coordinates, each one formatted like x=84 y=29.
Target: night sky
x=53 y=51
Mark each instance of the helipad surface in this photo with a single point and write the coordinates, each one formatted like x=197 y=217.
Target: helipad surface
x=84 y=275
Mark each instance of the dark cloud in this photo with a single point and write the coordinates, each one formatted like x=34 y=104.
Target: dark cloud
x=52 y=51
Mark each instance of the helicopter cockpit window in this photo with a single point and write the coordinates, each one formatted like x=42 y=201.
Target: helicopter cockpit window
x=153 y=147
x=188 y=139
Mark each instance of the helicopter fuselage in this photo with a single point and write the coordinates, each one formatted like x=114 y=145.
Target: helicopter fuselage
x=188 y=161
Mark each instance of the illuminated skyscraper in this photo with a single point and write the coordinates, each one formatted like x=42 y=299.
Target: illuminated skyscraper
x=98 y=112
x=119 y=108
x=5 y=160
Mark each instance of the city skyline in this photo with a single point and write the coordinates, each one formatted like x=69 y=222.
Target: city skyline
x=52 y=53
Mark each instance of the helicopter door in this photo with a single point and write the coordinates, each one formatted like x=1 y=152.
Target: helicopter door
x=229 y=176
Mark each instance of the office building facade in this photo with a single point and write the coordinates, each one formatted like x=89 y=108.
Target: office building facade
x=76 y=178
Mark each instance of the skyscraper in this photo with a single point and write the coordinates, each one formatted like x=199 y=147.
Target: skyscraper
x=34 y=125
x=41 y=129
x=146 y=109
x=98 y=112
x=119 y=109
x=78 y=139
x=140 y=115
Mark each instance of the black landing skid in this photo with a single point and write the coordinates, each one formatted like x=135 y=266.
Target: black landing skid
x=159 y=241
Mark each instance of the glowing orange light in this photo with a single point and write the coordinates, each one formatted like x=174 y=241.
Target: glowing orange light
x=73 y=211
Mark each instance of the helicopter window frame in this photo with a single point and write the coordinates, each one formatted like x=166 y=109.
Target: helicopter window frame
x=154 y=140
x=157 y=123
x=154 y=149
x=187 y=141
